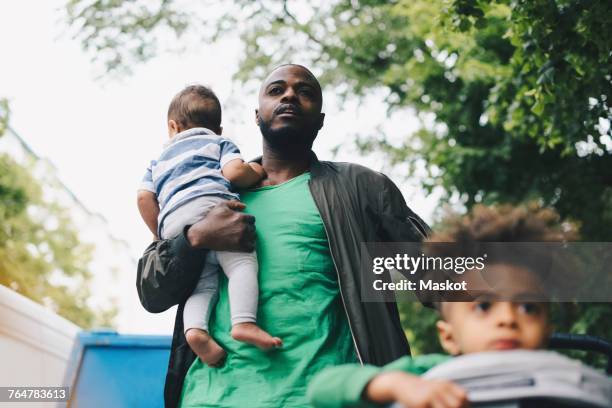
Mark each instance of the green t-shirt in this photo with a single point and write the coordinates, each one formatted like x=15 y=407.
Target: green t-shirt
x=299 y=301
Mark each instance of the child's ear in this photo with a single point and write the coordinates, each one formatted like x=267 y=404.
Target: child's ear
x=447 y=339
x=173 y=127
x=220 y=130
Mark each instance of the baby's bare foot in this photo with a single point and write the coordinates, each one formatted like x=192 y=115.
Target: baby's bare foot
x=205 y=347
x=252 y=334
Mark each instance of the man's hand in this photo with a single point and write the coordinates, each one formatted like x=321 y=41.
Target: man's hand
x=225 y=228
x=414 y=392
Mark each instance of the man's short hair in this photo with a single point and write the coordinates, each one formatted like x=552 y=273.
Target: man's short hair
x=196 y=106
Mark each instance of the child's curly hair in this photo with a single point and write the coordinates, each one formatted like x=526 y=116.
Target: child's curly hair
x=503 y=223
x=506 y=223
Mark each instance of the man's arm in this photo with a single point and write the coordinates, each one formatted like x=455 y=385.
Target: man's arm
x=169 y=269
x=399 y=223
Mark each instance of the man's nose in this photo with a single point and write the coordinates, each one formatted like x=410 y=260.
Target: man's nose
x=505 y=315
x=289 y=95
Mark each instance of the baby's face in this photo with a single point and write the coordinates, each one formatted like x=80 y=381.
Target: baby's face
x=490 y=325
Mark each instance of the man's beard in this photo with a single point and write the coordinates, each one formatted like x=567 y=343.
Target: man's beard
x=288 y=138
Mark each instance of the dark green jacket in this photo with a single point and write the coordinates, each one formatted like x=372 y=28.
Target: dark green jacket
x=356 y=205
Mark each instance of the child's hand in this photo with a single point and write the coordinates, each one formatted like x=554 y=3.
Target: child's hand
x=431 y=394
x=257 y=168
x=414 y=392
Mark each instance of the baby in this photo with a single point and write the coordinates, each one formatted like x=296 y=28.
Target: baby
x=197 y=170
x=499 y=321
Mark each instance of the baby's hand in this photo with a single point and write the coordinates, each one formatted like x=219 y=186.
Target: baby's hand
x=420 y=393
x=257 y=168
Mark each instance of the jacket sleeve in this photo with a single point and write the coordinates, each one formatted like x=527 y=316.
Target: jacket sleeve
x=167 y=273
x=399 y=223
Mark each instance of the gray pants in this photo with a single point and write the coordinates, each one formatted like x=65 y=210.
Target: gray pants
x=239 y=267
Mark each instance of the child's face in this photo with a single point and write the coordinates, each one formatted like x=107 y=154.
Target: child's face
x=489 y=325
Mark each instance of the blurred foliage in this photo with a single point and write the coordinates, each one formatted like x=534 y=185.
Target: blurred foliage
x=517 y=91
x=121 y=33
x=4 y=115
x=513 y=95
x=41 y=256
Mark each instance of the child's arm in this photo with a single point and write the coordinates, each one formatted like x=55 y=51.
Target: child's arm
x=243 y=174
x=353 y=385
x=412 y=391
x=149 y=210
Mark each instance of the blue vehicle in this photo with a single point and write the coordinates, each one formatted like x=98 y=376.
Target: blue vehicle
x=107 y=369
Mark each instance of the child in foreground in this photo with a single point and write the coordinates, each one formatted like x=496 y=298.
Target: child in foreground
x=192 y=175
x=463 y=328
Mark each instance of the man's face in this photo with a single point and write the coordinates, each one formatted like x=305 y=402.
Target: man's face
x=289 y=113
x=490 y=324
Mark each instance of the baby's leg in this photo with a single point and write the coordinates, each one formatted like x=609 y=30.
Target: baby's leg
x=243 y=290
x=196 y=314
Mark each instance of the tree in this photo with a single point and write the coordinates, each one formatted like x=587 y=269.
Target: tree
x=519 y=89
x=41 y=256
x=513 y=94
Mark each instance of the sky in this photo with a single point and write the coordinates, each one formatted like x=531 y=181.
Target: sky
x=101 y=133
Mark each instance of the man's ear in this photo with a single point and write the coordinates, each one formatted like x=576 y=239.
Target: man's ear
x=257 y=117
x=321 y=120
x=447 y=339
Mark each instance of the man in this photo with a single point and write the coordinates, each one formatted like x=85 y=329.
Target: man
x=311 y=218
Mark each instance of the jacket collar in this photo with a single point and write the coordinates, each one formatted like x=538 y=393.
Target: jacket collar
x=317 y=167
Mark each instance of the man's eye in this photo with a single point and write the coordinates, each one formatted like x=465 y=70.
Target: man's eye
x=306 y=92
x=530 y=308
x=483 y=306
x=274 y=90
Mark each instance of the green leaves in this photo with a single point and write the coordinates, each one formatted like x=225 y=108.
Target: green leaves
x=511 y=93
x=4 y=115
x=120 y=33
x=39 y=248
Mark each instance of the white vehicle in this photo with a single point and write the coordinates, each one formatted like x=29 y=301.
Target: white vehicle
x=526 y=379
x=35 y=345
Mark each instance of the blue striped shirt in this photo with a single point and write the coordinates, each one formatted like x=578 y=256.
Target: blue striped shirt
x=190 y=167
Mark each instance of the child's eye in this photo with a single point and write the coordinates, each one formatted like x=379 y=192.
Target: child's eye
x=483 y=306
x=530 y=308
